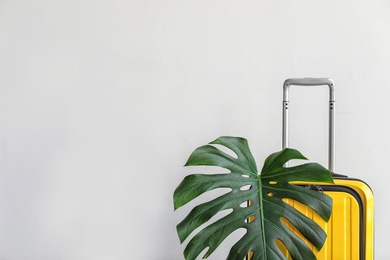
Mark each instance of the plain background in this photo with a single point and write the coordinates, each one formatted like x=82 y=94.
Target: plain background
x=102 y=102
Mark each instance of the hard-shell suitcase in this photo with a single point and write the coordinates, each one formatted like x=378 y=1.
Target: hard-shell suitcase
x=350 y=230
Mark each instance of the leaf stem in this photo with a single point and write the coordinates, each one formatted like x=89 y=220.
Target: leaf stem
x=262 y=214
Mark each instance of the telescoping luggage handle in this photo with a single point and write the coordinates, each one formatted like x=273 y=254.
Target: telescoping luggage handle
x=310 y=82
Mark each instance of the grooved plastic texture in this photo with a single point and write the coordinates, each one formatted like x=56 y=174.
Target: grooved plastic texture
x=350 y=229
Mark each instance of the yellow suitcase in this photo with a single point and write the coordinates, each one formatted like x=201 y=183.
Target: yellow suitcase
x=350 y=230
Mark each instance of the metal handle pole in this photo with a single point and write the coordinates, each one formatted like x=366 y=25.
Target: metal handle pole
x=310 y=82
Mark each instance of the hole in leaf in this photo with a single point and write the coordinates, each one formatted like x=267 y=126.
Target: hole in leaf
x=227 y=243
x=251 y=219
x=204 y=251
x=213 y=219
x=245 y=175
x=206 y=196
x=226 y=150
x=273 y=182
x=246 y=187
x=283 y=248
x=250 y=255
x=293 y=229
x=270 y=194
x=246 y=204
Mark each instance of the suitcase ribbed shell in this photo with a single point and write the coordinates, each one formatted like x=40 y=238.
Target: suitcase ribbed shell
x=350 y=230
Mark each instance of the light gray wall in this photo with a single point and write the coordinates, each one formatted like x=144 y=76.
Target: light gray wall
x=101 y=103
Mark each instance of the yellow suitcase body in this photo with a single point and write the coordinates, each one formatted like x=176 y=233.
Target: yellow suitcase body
x=350 y=230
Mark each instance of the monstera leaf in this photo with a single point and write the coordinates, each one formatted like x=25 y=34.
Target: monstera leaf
x=257 y=203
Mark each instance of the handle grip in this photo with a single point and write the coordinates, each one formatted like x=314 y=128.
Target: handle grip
x=310 y=82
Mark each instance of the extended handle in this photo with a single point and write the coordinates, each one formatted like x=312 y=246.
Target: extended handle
x=311 y=82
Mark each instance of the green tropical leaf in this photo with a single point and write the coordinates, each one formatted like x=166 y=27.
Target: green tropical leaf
x=263 y=196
